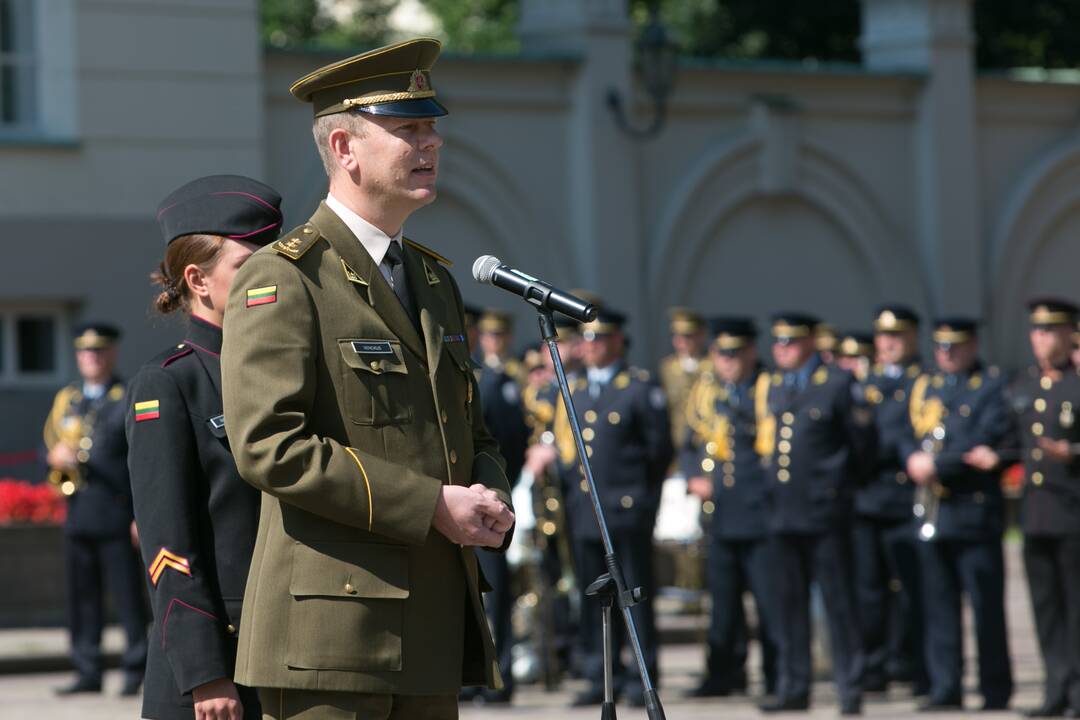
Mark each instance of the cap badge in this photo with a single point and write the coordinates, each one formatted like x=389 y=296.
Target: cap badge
x=417 y=82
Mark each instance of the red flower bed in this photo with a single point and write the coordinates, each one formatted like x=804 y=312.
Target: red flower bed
x=23 y=502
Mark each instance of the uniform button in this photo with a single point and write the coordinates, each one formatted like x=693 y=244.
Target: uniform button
x=350 y=589
x=729 y=468
x=626 y=501
x=815 y=414
x=613 y=417
x=453 y=457
x=783 y=461
x=588 y=434
x=86 y=443
x=787 y=418
x=588 y=450
x=901 y=477
x=786 y=433
x=1037 y=429
x=444 y=416
x=551 y=504
x=590 y=416
x=710 y=447
x=729 y=481
x=708 y=465
x=82 y=456
x=231 y=629
x=708 y=507
x=784 y=446
x=1046 y=383
x=1037 y=454
x=965 y=410
x=308 y=231
x=1037 y=478
x=783 y=476
x=584 y=485
x=374 y=364
x=1040 y=405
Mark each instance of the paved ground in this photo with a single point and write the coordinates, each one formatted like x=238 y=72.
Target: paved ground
x=30 y=696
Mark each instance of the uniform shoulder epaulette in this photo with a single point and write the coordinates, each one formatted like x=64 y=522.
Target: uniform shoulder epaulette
x=428 y=251
x=181 y=350
x=297 y=242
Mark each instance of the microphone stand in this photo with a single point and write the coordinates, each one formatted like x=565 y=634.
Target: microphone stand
x=610 y=587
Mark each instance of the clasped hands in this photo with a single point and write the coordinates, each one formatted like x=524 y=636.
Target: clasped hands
x=472 y=515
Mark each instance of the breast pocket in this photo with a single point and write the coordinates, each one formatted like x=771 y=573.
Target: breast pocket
x=463 y=378
x=376 y=389
x=348 y=606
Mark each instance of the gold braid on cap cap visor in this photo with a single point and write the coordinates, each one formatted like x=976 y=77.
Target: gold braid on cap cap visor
x=948 y=335
x=1045 y=316
x=685 y=326
x=387 y=98
x=785 y=330
x=730 y=342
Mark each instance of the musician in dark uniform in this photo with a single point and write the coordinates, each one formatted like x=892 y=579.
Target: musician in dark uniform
x=723 y=468
x=1045 y=400
x=87 y=453
x=196 y=516
x=958 y=414
x=625 y=426
x=815 y=436
x=504 y=416
x=887 y=580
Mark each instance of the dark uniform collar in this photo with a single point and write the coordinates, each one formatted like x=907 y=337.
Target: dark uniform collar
x=204 y=335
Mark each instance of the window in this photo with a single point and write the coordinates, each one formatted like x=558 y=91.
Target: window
x=18 y=76
x=34 y=345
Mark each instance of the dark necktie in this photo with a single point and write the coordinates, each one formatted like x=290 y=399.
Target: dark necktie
x=396 y=262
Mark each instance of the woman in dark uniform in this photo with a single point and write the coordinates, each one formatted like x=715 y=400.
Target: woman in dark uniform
x=196 y=517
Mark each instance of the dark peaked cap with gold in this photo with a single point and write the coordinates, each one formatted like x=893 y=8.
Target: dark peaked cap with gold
x=394 y=80
x=1050 y=311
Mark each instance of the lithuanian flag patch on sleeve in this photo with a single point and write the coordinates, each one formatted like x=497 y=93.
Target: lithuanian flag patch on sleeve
x=262 y=296
x=148 y=410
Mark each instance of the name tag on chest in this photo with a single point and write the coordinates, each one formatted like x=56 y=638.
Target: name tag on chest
x=372 y=347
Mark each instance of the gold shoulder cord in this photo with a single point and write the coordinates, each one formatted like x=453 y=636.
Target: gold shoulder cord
x=925 y=414
x=765 y=441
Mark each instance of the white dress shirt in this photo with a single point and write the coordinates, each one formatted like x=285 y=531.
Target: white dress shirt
x=374 y=240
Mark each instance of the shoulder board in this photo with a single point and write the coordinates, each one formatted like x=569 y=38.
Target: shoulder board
x=297 y=242
x=427 y=251
x=181 y=350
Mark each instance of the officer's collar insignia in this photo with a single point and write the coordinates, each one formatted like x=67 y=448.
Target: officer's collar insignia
x=622 y=380
x=913 y=371
x=147 y=410
x=939 y=381
x=166 y=559
x=820 y=375
x=351 y=275
x=975 y=381
x=262 y=295
x=432 y=278
x=777 y=379
x=873 y=394
x=116 y=392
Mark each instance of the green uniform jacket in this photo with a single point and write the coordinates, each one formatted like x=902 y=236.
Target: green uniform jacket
x=350 y=421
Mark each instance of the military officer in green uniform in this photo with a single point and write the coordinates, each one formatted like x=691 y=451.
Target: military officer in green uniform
x=351 y=403
x=680 y=370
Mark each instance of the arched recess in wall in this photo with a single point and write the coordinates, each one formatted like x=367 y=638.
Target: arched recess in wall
x=723 y=225
x=1034 y=244
x=481 y=210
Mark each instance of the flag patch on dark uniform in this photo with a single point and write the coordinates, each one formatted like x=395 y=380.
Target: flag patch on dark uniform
x=148 y=410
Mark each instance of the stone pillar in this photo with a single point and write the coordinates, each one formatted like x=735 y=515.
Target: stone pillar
x=936 y=38
x=603 y=223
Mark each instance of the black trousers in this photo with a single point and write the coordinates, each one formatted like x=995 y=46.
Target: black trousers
x=888 y=586
x=734 y=567
x=499 y=604
x=1053 y=572
x=950 y=569
x=825 y=558
x=634 y=550
x=91 y=563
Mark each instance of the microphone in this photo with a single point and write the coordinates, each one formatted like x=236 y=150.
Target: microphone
x=490 y=270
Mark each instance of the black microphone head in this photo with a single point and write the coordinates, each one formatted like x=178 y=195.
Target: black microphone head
x=484 y=266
